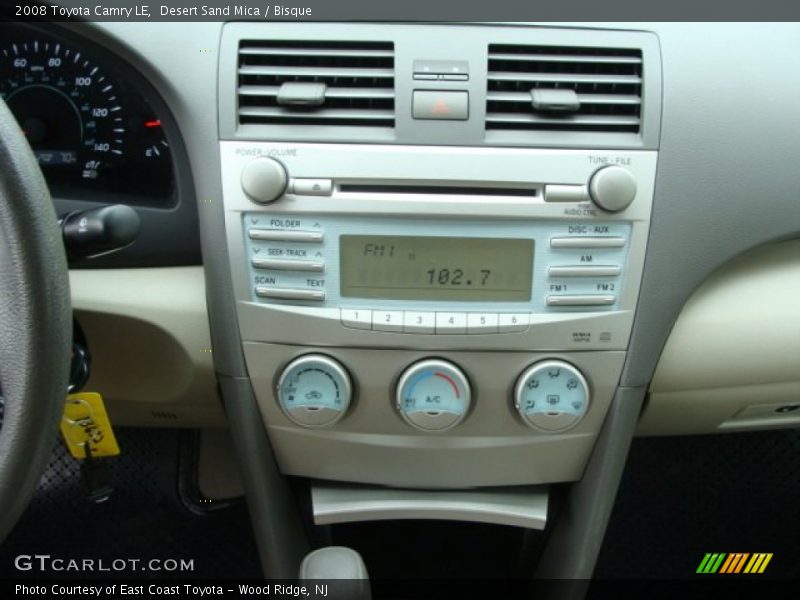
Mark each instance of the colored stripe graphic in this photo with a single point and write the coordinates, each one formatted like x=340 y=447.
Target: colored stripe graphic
x=711 y=562
x=703 y=563
x=758 y=563
x=727 y=564
x=733 y=563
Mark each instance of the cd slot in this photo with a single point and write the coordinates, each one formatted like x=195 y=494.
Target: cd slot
x=441 y=190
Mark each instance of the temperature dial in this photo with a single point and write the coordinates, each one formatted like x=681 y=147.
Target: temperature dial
x=433 y=395
x=552 y=396
x=314 y=391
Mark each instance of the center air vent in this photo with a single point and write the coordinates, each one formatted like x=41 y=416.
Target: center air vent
x=564 y=89
x=318 y=83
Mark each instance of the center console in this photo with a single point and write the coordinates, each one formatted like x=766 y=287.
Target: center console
x=427 y=300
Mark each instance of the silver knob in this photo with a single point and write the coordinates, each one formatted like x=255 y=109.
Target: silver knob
x=551 y=396
x=314 y=391
x=433 y=395
x=264 y=180
x=612 y=188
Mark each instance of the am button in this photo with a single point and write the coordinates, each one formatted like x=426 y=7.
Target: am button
x=442 y=105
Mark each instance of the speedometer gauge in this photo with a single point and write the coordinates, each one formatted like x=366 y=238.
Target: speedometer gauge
x=88 y=117
x=69 y=109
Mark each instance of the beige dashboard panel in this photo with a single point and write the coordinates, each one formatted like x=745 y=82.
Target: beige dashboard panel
x=732 y=361
x=149 y=337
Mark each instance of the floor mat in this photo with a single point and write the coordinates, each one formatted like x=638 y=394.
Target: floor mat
x=144 y=520
x=683 y=497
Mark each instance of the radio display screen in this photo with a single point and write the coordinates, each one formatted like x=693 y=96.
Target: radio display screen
x=404 y=267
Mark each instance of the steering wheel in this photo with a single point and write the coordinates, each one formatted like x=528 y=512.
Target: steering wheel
x=35 y=322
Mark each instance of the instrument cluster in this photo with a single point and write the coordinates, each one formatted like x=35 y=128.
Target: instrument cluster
x=85 y=114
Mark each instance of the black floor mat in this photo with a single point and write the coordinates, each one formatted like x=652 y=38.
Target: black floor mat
x=682 y=497
x=144 y=519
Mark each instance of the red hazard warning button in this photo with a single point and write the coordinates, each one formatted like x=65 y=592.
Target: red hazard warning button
x=432 y=104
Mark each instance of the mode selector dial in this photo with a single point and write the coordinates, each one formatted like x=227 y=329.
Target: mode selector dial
x=612 y=188
x=264 y=180
x=551 y=396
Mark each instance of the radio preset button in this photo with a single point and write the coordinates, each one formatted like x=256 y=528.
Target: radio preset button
x=288 y=265
x=582 y=271
x=312 y=187
x=478 y=323
x=356 y=318
x=419 y=322
x=513 y=322
x=587 y=242
x=387 y=320
x=587 y=300
x=451 y=323
x=284 y=235
x=290 y=294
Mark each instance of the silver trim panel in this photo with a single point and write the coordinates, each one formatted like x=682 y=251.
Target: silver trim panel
x=521 y=507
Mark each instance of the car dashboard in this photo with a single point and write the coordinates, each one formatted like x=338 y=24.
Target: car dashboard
x=447 y=269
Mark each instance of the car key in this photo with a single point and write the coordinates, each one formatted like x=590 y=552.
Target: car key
x=95 y=477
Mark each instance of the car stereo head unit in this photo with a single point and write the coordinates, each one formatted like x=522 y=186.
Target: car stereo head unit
x=393 y=246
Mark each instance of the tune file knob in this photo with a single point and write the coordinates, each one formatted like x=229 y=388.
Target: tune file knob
x=612 y=188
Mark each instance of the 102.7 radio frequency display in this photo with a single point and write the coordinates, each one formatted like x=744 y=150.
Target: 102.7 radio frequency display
x=401 y=267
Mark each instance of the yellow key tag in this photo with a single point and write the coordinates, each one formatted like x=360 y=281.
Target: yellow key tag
x=85 y=421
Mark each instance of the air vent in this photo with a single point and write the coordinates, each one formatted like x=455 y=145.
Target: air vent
x=354 y=83
x=602 y=88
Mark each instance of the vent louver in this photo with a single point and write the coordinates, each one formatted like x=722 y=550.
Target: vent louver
x=358 y=80
x=606 y=81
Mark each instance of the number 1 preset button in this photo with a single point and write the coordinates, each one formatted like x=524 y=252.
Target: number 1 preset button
x=357 y=318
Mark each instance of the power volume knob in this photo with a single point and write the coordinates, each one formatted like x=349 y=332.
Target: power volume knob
x=264 y=180
x=612 y=188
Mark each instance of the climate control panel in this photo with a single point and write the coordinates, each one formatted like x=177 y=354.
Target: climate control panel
x=432 y=395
